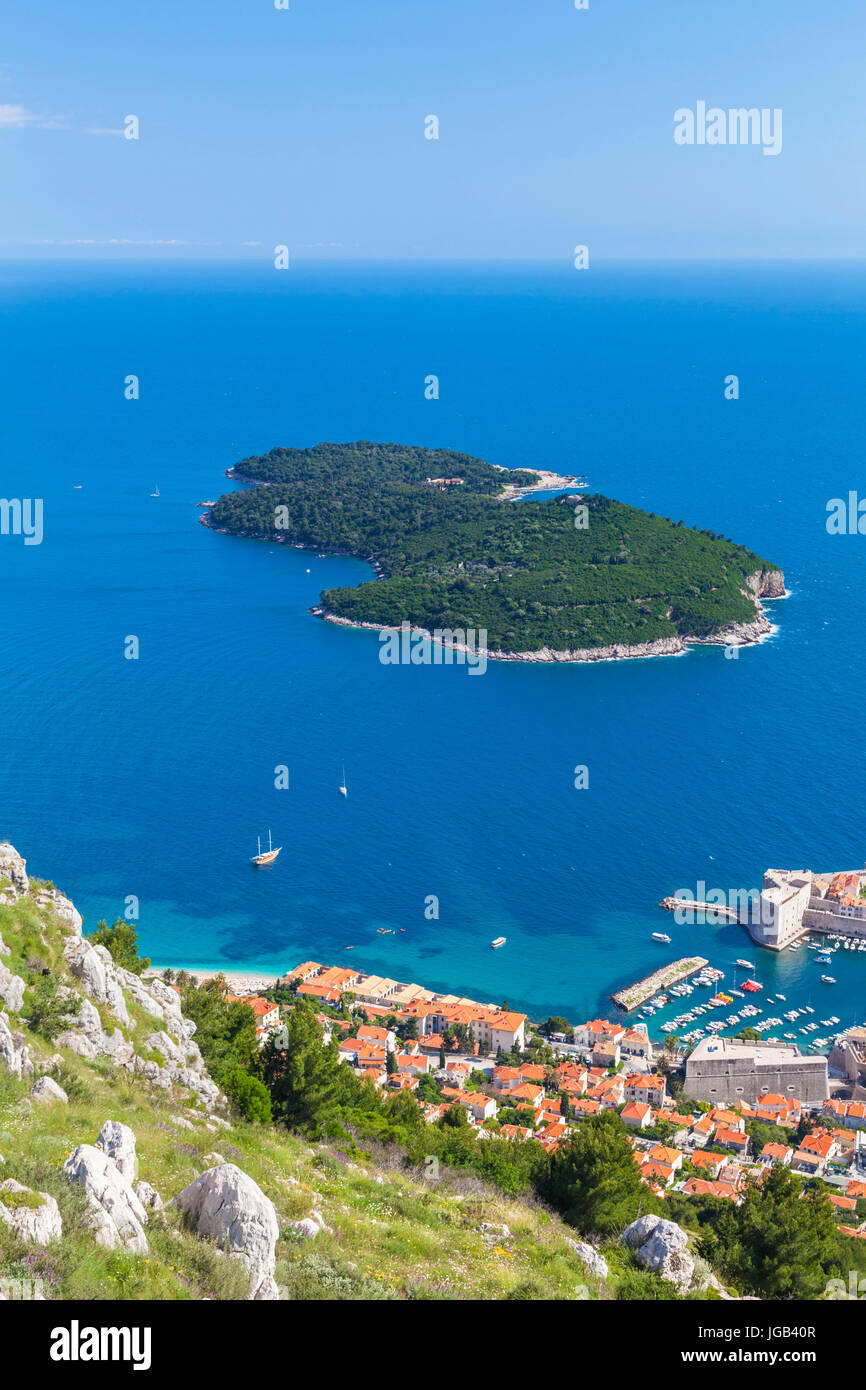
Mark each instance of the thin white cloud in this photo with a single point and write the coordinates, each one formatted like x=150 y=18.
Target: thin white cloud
x=13 y=116
x=99 y=130
x=122 y=241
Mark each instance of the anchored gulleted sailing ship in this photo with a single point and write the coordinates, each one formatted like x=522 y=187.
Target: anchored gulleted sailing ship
x=267 y=856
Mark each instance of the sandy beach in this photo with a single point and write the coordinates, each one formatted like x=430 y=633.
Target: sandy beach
x=547 y=482
x=244 y=981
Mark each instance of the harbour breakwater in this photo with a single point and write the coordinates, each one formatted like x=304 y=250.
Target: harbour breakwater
x=634 y=995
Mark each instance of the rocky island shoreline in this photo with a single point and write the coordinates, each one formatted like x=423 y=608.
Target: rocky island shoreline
x=766 y=585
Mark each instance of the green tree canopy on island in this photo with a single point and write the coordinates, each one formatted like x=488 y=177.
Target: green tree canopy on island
x=460 y=556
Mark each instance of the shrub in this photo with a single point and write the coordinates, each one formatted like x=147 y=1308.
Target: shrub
x=52 y=1007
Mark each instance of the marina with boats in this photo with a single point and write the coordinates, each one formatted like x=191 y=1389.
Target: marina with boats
x=736 y=999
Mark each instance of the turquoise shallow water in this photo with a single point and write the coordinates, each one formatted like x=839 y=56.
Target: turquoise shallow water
x=153 y=777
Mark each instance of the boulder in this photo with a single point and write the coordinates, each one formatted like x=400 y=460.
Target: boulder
x=201 y=1086
x=148 y=1196
x=166 y=1047
x=319 y=1220
x=78 y=1043
x=590 y=1257
x=116 y=1047
x=118 y=1142
x=639 y=1232
x=46 y=1091
x=226 y=1205
x=89 y=1023
x=661 y=1246
x=67 y=914
x=87 y=1039
x=12 y=989
x=168 y=997
x=153 y=1072
x=70 y=917
x=14 y=1054
x=306 y=1227
x=38 y=1224
x=13 y=868
x=140 y=993
x=93 y=967
x=117 y=1215
x=43 y=1065
x=85 y=964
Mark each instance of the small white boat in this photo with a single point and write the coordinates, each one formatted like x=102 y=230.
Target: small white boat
x=745 y=964
x=498 y=941
x=660 y=936
x=155 y=492
x=344 y=790
x=829 y=979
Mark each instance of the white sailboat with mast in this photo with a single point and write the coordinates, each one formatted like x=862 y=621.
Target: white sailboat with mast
x=344 y=790
x=267 y=856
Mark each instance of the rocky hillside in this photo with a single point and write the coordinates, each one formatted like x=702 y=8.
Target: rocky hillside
x=123 y=1174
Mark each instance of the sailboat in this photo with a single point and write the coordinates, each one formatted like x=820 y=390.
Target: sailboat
x=344 y=790
x=155 y=492
x=269 y=854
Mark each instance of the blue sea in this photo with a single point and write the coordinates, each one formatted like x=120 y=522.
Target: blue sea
x=152 y=778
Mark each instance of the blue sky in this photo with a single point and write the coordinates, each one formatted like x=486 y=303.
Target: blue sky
x=306 y=127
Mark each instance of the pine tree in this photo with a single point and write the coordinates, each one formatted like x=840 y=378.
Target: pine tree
x=780 y=1243
x=306 y=1079
x=593 y=1181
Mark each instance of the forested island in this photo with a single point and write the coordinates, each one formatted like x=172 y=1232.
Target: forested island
x=576 y=577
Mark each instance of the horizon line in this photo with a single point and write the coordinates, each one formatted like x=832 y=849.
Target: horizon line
x=564 y=262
